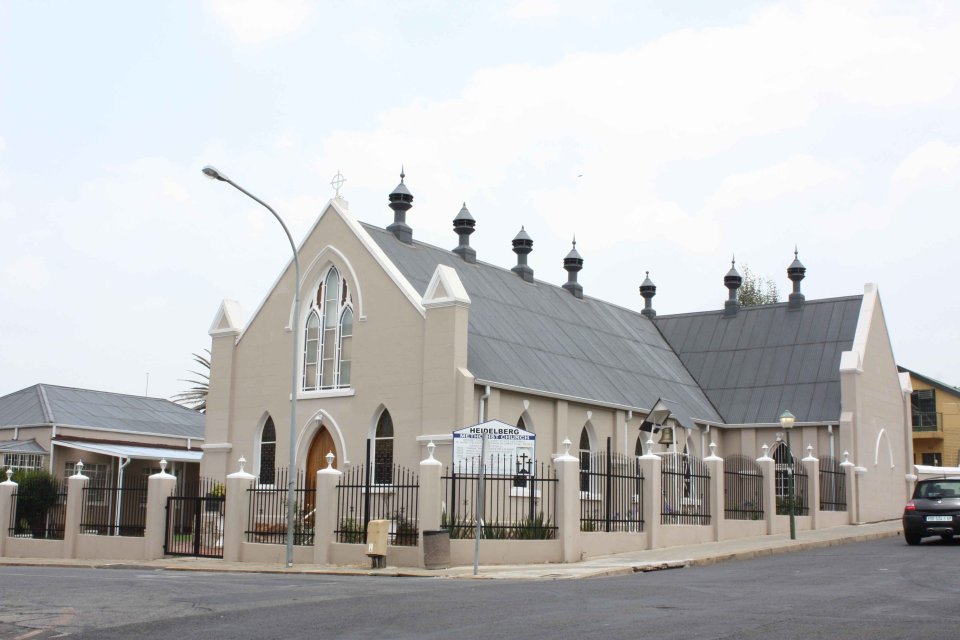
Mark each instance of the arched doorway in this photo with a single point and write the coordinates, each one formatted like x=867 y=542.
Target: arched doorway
x=320 y=446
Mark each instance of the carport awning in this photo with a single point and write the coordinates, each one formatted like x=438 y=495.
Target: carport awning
x=132 y=451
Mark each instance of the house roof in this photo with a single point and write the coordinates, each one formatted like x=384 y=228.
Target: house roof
x=44 y=404
x=768 y=358
x=943 y=386
x=538 y=336
x=21 y=446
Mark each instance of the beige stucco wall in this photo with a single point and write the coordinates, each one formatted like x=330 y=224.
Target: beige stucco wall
x=873 y=424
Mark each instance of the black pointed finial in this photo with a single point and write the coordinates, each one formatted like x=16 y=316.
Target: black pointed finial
x=522 y=245
x=647 y=291
x=573 y=263
x=463 y=226
x=732 y=282
x=796 y=272
x=400 y=201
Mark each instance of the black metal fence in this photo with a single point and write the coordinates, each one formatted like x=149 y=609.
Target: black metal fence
x=611 y=496
x=800 y=501
x=360 y=500
x=685 y=488
x=742 y=488
x=115 y=511
x=194 y=524
x=833 y=485
x=517 y=503
x=47 y=525
x=268 y=509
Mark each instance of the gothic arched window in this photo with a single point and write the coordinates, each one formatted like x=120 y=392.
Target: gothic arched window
x=327 y=344
x=268 y=452
x=383 y=450
x=584 y=460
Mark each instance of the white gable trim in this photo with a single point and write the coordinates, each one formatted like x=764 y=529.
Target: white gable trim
x=336 y=205
x=445 y=289
x=228 y=320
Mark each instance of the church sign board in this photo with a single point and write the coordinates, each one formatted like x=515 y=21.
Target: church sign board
x=509 y=449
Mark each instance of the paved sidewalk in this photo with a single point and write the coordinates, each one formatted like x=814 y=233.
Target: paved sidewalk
x=624 y=563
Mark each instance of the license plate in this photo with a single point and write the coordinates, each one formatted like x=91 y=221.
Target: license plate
x=939 y=518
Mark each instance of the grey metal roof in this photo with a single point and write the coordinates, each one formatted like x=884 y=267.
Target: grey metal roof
x=768 y=358
x=21 y=446
x=50 y=404
x=538 y=336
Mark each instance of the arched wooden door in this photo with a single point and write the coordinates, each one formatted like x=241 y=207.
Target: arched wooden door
x=316 y=457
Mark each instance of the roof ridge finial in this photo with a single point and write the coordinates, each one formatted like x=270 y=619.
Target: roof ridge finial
x=574 y=241
x=795 y=251
x=402 y=174
x=733 y=260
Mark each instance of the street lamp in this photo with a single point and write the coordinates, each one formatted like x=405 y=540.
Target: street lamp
x=786 y=421
x=213 y=174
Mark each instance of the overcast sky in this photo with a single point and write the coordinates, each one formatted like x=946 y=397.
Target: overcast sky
x=667 y=136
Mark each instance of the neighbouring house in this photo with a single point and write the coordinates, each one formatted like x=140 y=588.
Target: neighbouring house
x=934 y=420
x=401 y=343
x=118 y=437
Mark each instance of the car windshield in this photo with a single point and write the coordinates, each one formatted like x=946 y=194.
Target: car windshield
x=938 y=489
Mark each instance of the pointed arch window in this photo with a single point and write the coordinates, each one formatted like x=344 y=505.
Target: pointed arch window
x=781 y=463
x=268 y=452
x=383 y=450
x=584 y=460
x=327 y=355
x=521 y=424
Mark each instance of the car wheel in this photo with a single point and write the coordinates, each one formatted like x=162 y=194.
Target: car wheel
x=946 y=537
x=911 y=538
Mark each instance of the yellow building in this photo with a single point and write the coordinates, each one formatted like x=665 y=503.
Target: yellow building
x=935 y=413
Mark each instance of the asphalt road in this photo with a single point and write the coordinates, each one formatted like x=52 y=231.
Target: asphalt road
x=878 y=589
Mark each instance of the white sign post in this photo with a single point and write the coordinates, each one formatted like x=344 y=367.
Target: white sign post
x=495 y=448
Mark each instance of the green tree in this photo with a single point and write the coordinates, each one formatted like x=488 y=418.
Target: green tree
x=37 y=493
x=196 y=396
x=757 y=290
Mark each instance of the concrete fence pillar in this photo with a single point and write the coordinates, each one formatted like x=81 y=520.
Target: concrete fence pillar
x=7 y=489
x=74 y=513
x=160 y=486
x=325 y=516
x=652 y=497
x=236 y=512
x=568 y=504
x=812 y=466
x=769 y=489
x=431 y=492
x=718 y=512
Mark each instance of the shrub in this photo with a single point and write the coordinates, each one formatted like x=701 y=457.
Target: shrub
x=37 y=493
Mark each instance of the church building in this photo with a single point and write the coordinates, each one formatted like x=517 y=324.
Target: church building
x=401 y=343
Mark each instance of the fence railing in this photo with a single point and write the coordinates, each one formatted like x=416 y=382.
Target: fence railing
x=611 y=492
x=742 y=488
x=195 y=512
x=833 y=485
x=115 y=511
x=48 y=525
x=800 y=500
x=517 y=504
x=268 y=509
x=685 y=488
x=360 y=500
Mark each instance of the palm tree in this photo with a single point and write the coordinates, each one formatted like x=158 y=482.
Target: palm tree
x=196 y=396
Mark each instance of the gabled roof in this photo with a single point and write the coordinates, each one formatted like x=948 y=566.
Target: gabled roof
x=768 y=358
x=943 y=386
x=44 y=404
x=21 y=446
x=538 y=336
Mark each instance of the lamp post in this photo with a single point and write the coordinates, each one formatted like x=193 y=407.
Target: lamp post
x=786 y=421
x=213 y=174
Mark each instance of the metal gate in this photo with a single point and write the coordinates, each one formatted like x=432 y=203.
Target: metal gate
x=195 y=520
